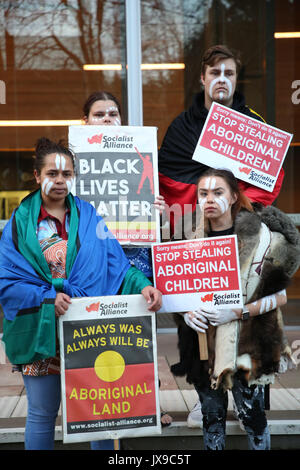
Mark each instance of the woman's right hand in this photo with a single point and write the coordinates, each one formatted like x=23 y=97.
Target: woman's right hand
x=61 y=303
x=196 y=321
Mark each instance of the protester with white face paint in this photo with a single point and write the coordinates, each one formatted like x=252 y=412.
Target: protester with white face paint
x=51 y=252
x=178 y=173
x=246 y=347
x=103 y=109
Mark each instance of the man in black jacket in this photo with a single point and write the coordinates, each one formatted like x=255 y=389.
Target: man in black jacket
x=178 y=173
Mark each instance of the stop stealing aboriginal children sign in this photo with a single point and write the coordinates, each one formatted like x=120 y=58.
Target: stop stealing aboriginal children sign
x=109 y=369
x=196 y=272
x=252 y=150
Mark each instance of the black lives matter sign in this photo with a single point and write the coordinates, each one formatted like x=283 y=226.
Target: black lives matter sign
x=117 y=173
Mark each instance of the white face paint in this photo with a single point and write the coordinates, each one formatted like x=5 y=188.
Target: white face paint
x=70 y=183
x=213 y=183
x=210 y=184
x=60 y=162
x=109 y=113
x=57 y=161
x=221 y=79
x=46 y=186
x=202 y=202
x=222 y=203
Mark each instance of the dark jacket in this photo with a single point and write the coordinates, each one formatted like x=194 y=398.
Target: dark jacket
x=178 y=173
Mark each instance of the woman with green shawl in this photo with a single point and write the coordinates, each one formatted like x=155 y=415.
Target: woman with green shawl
x=55 y=247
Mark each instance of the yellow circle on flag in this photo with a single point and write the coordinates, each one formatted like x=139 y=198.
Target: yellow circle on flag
x=109 y=366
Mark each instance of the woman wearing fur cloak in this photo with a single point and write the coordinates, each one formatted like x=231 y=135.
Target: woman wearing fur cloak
x=246 y=347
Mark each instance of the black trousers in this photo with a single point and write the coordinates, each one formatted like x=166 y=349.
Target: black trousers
x=250 y=404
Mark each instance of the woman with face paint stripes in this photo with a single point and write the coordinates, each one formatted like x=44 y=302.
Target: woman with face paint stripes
x=246 y=346
x=51 y=251
x=103 y=109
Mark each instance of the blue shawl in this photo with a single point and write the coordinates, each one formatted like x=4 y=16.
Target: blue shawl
x=95 y=266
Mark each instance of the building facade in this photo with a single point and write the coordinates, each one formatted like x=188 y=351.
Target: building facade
x=54 y=53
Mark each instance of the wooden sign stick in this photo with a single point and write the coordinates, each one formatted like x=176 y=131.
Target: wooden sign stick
x=203 y=350
x=202 y=339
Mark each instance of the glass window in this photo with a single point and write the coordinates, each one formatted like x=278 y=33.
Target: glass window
x=287 y=103
x=44 y=46
x=179 y=31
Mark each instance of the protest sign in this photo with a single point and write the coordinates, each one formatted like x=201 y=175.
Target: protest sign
x=195 y=272
x=109 y=369
x=252 y=150
x=117 y=173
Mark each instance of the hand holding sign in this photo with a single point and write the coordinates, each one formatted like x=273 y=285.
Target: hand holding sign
x=153 y=298
x=196 y=320
x=160 y=204
x=189 y=273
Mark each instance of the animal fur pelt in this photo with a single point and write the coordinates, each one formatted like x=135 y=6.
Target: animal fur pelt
x=261 y=338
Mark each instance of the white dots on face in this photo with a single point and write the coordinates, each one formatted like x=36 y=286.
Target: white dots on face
x=111 y=112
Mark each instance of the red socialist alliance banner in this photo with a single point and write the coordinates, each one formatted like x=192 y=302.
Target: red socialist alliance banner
x=192 y=273
x=109 y=369
x=252 y=150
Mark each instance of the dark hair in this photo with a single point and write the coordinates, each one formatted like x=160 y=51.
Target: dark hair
x=242 y=201
x=216 y=53
x=45 y=147
x=99 y=96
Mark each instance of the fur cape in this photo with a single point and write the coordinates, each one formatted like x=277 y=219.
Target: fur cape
x=269 y=254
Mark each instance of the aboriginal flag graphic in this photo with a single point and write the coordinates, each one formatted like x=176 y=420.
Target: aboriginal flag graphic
x=109 y=374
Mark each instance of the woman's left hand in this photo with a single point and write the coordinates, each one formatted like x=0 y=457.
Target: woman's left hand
x=159 y=204
x=216 y=316
x=61 y=304
x=152 y=297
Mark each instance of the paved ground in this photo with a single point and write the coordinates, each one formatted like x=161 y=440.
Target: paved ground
x=176 y=397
